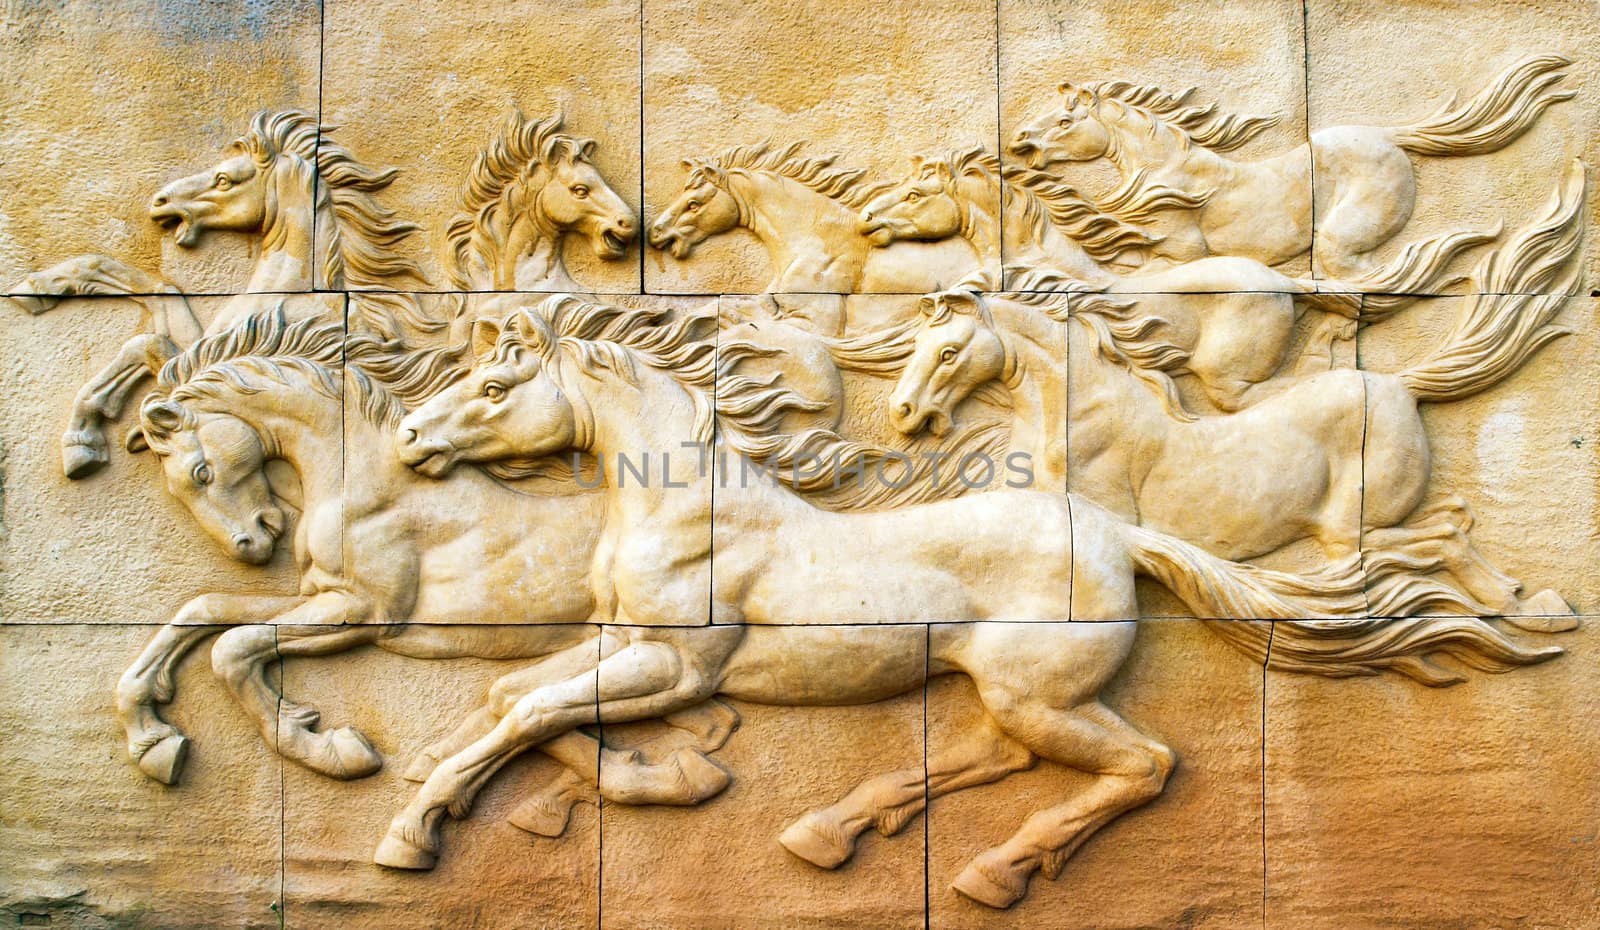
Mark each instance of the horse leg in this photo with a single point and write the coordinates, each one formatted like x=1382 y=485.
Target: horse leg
x=1130 y=768
x=1439 y=535
x=827 y=837
x=83 y=447
x=642 y=679
x=157 y=746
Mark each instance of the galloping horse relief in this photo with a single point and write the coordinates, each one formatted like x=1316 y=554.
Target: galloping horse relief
x=1173 y=407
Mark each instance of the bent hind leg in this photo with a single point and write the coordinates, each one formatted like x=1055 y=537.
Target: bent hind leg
x=1131 y=769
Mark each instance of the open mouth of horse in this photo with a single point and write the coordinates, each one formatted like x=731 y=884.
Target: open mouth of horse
x=434 y=462
x=175 y=220
x=613 y=243
x=877 y=232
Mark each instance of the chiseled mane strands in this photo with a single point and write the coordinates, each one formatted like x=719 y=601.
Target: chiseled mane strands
x=1202 y=125
x=504 y=168
x=819 y=174
x=265 y=345
x=1100 y=232
x=1123 y=336
x=365 y=236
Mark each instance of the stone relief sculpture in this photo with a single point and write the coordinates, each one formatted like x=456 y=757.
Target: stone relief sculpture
x=1365 y=194
x=1042 y=307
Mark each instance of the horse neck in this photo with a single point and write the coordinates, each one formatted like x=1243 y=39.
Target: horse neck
x=301 y=426
x=979 y=197
x=1028 y=224
x=531 y=257
x=792 y=220
x=1139 y=140
x=1035 y=348
x=298 y=237
x=1099 y=388
x=649 y=424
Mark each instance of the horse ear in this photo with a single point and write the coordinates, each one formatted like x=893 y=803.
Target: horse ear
x=136 y=441
x=485 y=334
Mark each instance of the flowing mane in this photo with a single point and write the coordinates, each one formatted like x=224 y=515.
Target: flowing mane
x=741 y=409
x=362 y=241
x=266 y=346
x=1123 y=336
x=1202 y=125
x=819 y=174
x=516 y=161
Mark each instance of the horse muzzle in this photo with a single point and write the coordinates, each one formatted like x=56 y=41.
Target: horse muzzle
x=433 y=458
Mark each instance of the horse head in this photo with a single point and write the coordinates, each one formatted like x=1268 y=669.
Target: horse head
x=215 y=465
x=1071 y=132
x=954 y=352
x=244 y=191
x=923 y=206
x=508 y=406
x=706 y=208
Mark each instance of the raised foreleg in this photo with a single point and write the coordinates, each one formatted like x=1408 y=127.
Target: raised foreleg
x=101 y=399
x=157 y=746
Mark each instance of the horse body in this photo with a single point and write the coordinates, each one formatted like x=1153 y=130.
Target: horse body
x=570 y=374
x=1349 y=188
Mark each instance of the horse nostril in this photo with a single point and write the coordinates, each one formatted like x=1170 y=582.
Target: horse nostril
x=160 y=201
x=904 y=410
x=241 y=541
x=409 y=436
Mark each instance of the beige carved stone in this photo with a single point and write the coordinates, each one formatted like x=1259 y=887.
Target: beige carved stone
x=1029 y=443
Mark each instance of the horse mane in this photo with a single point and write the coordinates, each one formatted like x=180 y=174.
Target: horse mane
x=1099 y=230
x=1123 y=336
x=362 y=244
x=1203 y=125
x=265 y=346
x=510 y=160
x=819 y=174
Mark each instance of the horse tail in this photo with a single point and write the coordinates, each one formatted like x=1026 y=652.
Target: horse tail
x=1352 y=648
x=1216 y=588
x=1518 y=291
x=1495 y=117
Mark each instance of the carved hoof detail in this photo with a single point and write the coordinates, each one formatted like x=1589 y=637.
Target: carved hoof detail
x=396 y=852
x=81 y=459
x=817 y=841
x=543 y=815
x=352 y=756
x=705 y=778
x=420 y=768
x=976 y=883
x=1547 y=612
x=165 y=759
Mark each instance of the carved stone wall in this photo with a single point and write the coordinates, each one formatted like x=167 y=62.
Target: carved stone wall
x=751 y=464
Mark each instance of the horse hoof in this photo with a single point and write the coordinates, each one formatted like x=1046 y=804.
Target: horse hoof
x=353 y=756
x=705 y=778
x=1545 y=612
x=976 y=883
x=543 y=816
x=420 y=768
x=80 y=460
x=398 y=853
x=814 y=840
x=165 y=759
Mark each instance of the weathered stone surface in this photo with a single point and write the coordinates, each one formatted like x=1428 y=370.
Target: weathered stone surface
x=108 y=102
x=1389 y=805
x=88 y=839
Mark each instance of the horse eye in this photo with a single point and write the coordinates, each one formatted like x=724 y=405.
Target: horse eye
x=913 y=197
x=579 y=191
x=223 y=182
x=948 y=355
x=692 y=206
x=495 y=392
x=202 y=474
x=1065 y=123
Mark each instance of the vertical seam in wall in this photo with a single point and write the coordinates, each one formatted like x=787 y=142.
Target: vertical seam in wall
x=316 y=151
x=1272 y=630
x=599 y=799
x=283 y=799
x=1311 y=152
